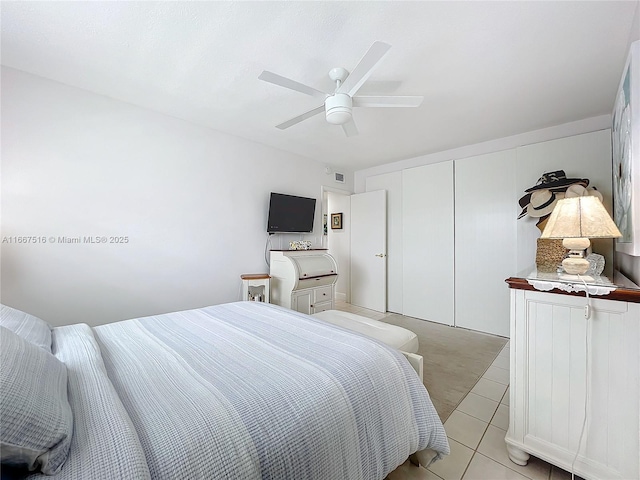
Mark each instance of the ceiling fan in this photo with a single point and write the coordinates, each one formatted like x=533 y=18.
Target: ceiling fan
x=338 y=105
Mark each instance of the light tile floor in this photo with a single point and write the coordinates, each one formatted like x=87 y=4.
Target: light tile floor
x=476 y=431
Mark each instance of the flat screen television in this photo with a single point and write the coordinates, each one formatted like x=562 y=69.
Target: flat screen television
x=290 y=214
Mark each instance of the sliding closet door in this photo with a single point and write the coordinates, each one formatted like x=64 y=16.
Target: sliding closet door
x=486 y=240
x=428 y=243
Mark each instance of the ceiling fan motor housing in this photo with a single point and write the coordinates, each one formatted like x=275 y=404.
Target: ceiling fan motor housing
x=338 y=108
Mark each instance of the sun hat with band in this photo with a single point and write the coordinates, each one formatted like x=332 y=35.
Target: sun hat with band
x=556 y=182
x=542 y=202
x=538 y=205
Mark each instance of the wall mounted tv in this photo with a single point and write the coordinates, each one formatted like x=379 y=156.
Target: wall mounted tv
x=290 y=214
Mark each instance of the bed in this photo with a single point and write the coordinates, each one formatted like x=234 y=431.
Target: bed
x=243 y=390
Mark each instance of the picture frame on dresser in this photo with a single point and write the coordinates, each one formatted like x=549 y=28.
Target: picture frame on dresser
x=625 y=141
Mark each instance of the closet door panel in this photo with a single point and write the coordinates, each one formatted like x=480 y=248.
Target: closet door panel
x=428 y=242
x=485 y=240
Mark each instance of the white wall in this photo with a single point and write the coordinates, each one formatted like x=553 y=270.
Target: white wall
x=192 y=202
x=339 y=242
x=560 y=131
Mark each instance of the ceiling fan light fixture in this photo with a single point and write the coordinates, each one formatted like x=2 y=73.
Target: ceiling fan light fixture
x=338 y=108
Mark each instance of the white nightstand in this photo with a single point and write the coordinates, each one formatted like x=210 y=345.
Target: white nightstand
x=255 y=287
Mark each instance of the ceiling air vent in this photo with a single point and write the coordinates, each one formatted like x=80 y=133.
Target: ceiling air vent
x=339 y=177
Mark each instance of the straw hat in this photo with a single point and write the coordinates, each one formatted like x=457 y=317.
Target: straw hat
x=542 y=202
x=556 y=181
x=580 y=191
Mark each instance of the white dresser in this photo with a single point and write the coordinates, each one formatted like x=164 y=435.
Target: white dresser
x=548 y=386
x=303 y=280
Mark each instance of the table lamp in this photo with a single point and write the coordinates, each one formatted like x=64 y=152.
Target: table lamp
x=575 y=221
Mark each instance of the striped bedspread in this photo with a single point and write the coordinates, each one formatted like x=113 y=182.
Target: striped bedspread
x=241 y=391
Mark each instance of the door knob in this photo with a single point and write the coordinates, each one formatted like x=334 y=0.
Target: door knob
x=381 y=255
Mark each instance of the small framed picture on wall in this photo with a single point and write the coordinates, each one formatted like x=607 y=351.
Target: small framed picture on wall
x=336 y=221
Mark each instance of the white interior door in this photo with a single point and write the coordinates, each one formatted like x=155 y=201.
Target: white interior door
x=369 y=250
x=392 y=183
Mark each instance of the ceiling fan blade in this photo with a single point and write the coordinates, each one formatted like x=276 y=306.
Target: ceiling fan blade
x=291 y=84
x=300 y=118
x=365 y=67
x=350 y=128
x=396 y=101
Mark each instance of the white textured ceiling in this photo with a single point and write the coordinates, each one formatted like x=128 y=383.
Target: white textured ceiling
x=486 y=69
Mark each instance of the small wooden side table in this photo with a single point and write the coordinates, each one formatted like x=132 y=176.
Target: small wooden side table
x=255 y=287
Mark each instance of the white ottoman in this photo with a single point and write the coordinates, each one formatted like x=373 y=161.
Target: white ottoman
x=394 y=336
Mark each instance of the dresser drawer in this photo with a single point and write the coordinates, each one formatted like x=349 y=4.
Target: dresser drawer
x=322 y=306
x=323 y=293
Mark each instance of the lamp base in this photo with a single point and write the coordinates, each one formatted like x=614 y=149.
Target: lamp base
x=575 y=265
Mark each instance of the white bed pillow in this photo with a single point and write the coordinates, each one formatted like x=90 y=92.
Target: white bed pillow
x=36 y=424
x=31 y=328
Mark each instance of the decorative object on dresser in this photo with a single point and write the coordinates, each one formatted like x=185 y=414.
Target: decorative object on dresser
x=596 y=264
x=300 y=245
x=549 y=254
x=336 y=221
x=625 y=136
x=575 y=220
x=538 y=202
x=255 y=287
x=574 y=374
x=303 y=280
